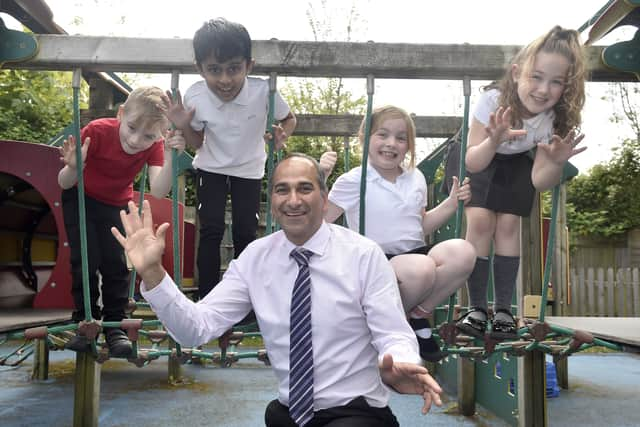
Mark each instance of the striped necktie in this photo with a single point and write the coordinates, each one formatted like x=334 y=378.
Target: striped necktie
x=300 y=346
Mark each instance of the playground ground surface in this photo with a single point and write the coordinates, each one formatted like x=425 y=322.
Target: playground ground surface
x=603 y=391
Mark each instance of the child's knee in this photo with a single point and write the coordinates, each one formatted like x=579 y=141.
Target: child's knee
x=466 y=256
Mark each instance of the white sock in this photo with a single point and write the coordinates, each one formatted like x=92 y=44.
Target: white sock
x=424 y=333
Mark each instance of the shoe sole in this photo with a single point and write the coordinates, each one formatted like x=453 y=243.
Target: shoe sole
x=470 y=330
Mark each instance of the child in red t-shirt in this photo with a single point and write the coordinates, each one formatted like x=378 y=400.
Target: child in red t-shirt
x=114 y=151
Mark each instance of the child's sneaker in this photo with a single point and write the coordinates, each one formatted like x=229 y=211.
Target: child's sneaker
x=429 y=349
x=118 y=343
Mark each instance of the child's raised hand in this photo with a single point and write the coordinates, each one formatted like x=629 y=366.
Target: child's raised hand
x=559 y=150
x=328 y=162
x=460 y=192
x=175 y=140
x=68 y=151
x=143 y=244
x=281 y=137
x=176 y=112
x=499 y=127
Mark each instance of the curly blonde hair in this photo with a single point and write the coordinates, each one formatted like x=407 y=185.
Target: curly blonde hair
x=380 y=114
x=568 y=109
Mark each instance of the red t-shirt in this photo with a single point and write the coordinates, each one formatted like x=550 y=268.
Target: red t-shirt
x=109 y=171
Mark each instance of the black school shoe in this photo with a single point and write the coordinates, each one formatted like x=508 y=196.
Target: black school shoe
x=473 y=322
x=118 y=343
x=503 y=326
x=429 y=349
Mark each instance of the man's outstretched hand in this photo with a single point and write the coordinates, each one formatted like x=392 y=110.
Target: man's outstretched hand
x=409 y=378
x=143 y=246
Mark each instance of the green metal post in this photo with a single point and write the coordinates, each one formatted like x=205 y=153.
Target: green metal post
x=365 y=151
x=549 y=255
x=77 y=76
x=271 y=145
x=143 y=186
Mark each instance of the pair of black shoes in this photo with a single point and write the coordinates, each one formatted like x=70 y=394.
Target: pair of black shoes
x=474 y=323
x=117 y=342
x=429 y=349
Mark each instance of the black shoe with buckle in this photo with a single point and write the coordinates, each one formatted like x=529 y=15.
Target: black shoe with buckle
x=118 y=343
x=78 y=343
x=429 y=349
x=473 y=322
x=503 y=326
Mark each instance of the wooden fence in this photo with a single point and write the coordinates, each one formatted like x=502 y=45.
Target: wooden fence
x=604 y=292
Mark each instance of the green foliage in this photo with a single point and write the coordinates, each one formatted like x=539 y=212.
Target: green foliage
x=607 y=201
x=326 y=96
x=35 y=105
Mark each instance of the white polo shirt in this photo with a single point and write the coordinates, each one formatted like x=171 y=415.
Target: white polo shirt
x=393 y=211
x=233 y=131
x=539 y=128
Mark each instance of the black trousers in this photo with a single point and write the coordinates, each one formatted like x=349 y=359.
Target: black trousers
x=356 y=413
x=212 y=192
x=104 y=255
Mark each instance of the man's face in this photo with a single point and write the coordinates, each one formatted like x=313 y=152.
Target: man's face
x=297 y=202
x=225 y=79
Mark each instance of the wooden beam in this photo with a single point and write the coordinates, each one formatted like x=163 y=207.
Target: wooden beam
x=329 y=125
x=294 y=58
x=348 y=125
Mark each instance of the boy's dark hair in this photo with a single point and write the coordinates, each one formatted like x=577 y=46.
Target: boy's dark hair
x=222 y=40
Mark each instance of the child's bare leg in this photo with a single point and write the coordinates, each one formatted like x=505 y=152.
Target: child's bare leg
x=416 y=275
x=454 y=259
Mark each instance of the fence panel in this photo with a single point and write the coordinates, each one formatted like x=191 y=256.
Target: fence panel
x=604 y=292
x=636 y=293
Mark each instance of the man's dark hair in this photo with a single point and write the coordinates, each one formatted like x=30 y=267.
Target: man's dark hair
x=320 y=178
x=221 y=39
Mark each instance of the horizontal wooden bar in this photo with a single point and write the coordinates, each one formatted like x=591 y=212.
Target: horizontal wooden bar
x=336 y=125
x=294 y=58
x=348 y=125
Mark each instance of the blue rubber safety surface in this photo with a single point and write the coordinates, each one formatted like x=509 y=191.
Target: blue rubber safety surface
x=603 y=392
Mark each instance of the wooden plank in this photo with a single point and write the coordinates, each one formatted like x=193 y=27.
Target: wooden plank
x=16 y=319
x=636 y=292
x=86 y=396
x=628 y=293
x=582 y=295
x=348 y=125
x=611 y=279
x=623 y=330
x=575 y=292
x=590 y=297
x=335 y=125
x=295 y=58
x=600 y=305
x=619 y=294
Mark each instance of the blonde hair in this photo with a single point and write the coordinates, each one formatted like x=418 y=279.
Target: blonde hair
x=568 y=109
x=144 y=106
x=387 y=112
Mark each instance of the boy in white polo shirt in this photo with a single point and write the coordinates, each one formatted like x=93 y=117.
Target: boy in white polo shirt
x=224 y=118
